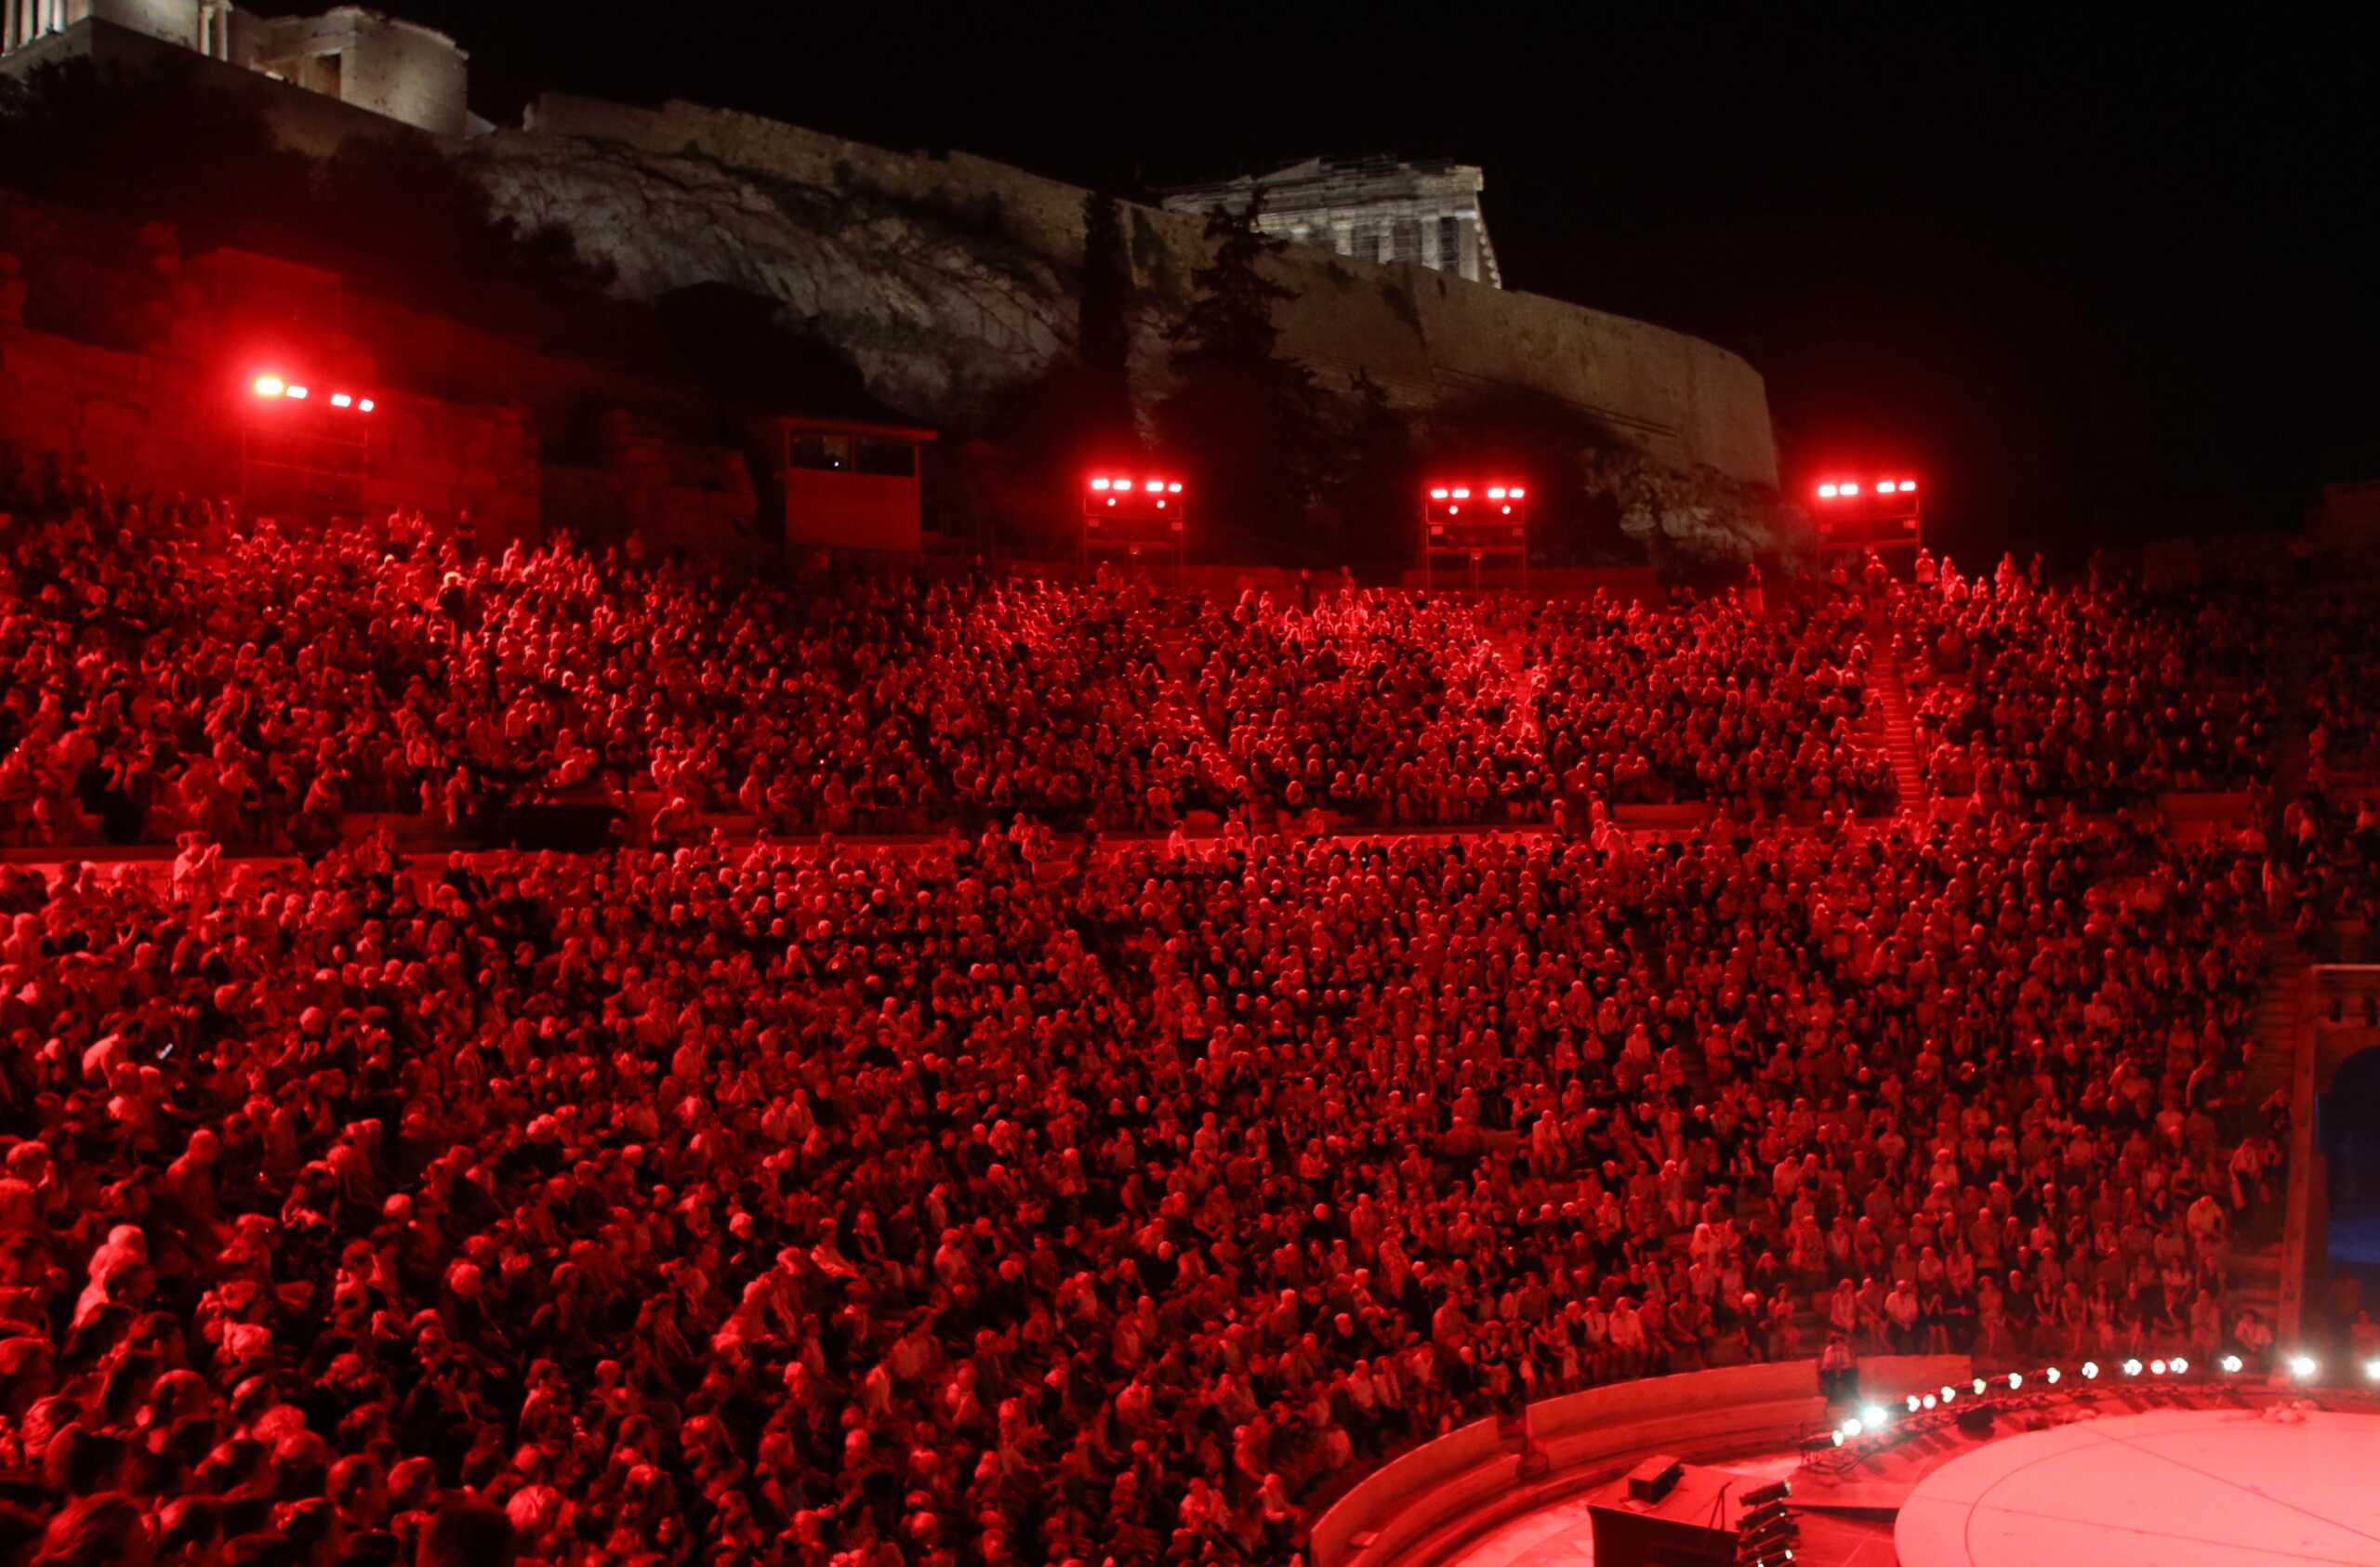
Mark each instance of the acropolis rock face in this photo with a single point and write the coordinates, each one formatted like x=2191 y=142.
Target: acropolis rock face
x=947 y=279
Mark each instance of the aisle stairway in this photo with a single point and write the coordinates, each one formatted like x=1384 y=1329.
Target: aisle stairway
x=1899 y=728
x=2279 y=1033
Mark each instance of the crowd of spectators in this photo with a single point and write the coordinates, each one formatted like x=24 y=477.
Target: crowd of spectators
x=1016 y=1194
x=1755 y=712
x=2099 y=693
x=1030 y=1199
x=174 y=666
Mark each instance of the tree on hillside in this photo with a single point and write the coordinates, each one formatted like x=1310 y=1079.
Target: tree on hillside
x=1104 y=328
x=1245 y=421
x=1371 y=471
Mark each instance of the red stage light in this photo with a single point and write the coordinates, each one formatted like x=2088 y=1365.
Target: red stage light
x=270 y=386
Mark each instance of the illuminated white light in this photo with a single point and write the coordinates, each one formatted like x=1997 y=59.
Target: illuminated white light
x=2156 y=1368
x=1160 y=506
x=1111 y=500
x=2372 y=1369
x=1452 y=510
x=364 y=405
x=1173 y=488
x=270 y=386
x=2231 y=1364
x=2131 y=1368
x=2303 y=1365
x=1838 y=1436
x=1875 y=1416
x=297 y=391
x=2090 y=1370
x=2015 y=1381
x=340 y=399
x=1508 y=511
x=1517 y=492
x=1438 y=495
x=1849 y=490
x=1978 y=1384
x=1461 y=495
x=1930 y=1401
x=1907 y=486
x=1156 y=484
x=1495 y=492
x=2051 y=1375
x=1852 y=1427
x=1825 y=492
x=2177 y=1365
x=1099 y=484
x=1912 y=1403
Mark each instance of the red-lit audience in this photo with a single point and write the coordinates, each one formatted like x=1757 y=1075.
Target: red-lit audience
x=2099 y=694
x=1030 y=1203
x=174 y=666
x=1022 y=1197
x=1755 y=714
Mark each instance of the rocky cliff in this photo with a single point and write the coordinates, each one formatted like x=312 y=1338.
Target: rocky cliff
x=947 y=278
x=935 y=308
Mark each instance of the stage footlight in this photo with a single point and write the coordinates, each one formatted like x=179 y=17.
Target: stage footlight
x=1761 y=1496
x=2177 y=1365
x=1873 y=1417
x=2051 y=1375
x=1978 y=1384
x=1929 y=1401
x=2371 y=1369
x=2131 y=1368
x=1854 y=1426
x=1913 y=1404
x=2303 y=1366
x=1949 y=1393
x=2090 y=1370
x=2156 y=1368
x=2015 y=1381
x=2231 y=1364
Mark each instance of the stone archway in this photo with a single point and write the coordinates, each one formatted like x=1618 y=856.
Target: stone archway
x=2346 y=1134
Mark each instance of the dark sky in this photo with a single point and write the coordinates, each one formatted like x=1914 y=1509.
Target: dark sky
x=2093 y=277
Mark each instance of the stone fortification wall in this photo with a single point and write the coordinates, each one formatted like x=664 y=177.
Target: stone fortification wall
x=949 y=277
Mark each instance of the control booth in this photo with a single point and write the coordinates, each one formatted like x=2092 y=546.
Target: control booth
x=1869 y=514
x=1133 y=513
x=1471 y=524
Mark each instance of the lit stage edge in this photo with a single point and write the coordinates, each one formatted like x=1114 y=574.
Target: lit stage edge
x=2177 y=1488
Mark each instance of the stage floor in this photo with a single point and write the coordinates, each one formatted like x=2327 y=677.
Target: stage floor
x=2178 y=1488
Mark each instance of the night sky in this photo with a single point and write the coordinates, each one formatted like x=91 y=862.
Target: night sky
x=2095 y=279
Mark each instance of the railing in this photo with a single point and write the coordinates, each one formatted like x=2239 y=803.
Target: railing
x=1417 y=1506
